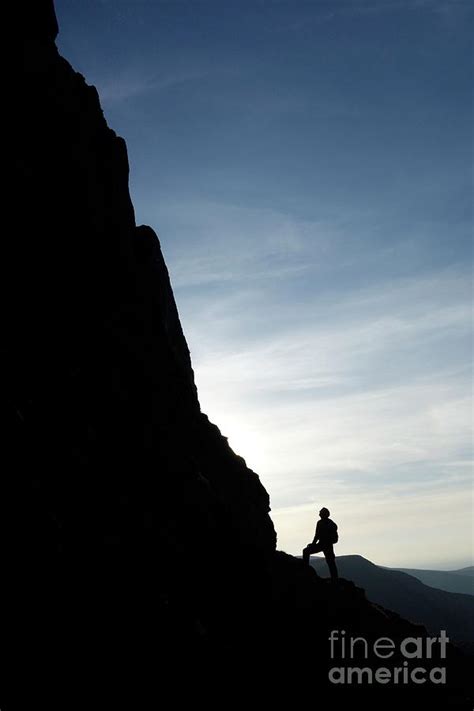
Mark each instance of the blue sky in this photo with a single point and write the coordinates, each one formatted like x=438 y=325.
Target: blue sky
x=308 y=169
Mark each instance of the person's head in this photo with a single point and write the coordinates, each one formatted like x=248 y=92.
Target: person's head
x=324 y=513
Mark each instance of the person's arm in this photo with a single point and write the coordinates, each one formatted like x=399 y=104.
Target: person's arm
x=316 y=533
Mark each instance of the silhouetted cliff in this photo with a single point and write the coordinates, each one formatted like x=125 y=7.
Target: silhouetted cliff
x=120 y=501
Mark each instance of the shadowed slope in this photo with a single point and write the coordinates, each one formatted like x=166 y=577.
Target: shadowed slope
x=435 y=609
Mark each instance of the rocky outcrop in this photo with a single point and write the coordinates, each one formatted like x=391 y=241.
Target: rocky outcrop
x=137 y=549
x=113 y=480
x=96 y=366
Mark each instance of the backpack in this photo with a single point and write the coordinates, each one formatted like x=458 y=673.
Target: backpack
x=332 y=532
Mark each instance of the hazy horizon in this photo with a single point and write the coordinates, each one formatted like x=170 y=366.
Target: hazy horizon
x=307 y=167
x=456 y=567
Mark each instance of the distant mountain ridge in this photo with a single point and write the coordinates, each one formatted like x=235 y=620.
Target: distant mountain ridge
x=456 y=581
x=464 y=571
x=404 y=593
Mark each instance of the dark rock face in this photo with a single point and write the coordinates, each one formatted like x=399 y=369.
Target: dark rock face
x=137 y=548
x=97 y=368
x=114 y=477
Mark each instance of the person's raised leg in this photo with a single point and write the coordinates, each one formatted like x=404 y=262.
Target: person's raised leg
x=306 y=554
x=310 y=548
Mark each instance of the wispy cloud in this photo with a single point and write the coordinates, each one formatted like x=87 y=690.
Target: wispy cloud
x=130 y=84
x=447 y=10
x=385 y=359
x=234 y=244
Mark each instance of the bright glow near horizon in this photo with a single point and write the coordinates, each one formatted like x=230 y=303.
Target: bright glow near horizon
x=307 y=167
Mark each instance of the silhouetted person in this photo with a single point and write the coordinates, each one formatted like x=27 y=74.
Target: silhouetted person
x=324 y=538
